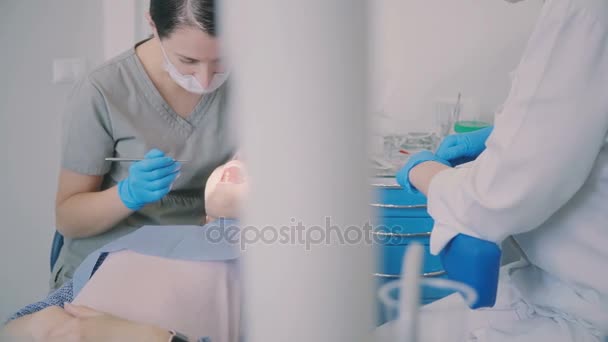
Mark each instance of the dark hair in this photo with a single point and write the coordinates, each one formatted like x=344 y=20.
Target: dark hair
x=168 y=15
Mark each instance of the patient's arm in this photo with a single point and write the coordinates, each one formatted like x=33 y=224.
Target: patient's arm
x=56 y=298
x=34 y=320
x=36 y=326
x=48 y=319
x=56 y=324
x=90 y=325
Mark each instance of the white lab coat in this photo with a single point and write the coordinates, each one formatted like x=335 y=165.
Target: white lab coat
x=544 y=179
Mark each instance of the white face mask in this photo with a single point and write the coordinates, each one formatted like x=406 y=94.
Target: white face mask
x=189 y=82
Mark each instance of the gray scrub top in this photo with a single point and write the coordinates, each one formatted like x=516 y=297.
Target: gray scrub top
x=117 y=112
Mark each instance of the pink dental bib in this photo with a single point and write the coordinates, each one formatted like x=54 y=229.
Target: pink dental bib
x=196 y=298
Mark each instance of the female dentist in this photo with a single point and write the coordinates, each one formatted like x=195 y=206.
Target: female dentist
x=164 y=99
x=542 y=177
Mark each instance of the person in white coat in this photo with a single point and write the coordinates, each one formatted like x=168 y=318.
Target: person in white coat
x=541 y=177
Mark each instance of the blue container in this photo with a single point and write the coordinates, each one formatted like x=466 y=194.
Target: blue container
x=402 y=224
x=391 y=260
x=389 y=192
x=390 y=200
x=399 y=210
x=400 y=219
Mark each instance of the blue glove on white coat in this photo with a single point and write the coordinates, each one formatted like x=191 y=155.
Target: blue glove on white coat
x=149 y=180
x=465 y=147
x=403 y=176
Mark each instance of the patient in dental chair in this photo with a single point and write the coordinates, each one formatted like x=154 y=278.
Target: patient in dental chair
x=170 y=277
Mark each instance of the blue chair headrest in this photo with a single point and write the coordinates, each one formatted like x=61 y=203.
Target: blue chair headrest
x=56 y=248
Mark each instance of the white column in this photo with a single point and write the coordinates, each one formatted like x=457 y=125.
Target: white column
x=299 y=88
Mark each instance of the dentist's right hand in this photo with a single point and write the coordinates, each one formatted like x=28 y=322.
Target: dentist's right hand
x=149 y=180
x=464 y=147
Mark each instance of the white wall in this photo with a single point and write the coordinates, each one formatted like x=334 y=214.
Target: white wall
x=124 y=23
x=32 y=34
x=427 y=49
x=142 y=28
x=119 y=26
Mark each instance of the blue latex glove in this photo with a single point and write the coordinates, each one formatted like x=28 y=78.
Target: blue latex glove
x=476 y=263
x=149 y=180
x=464 y=147
x=403 y=176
